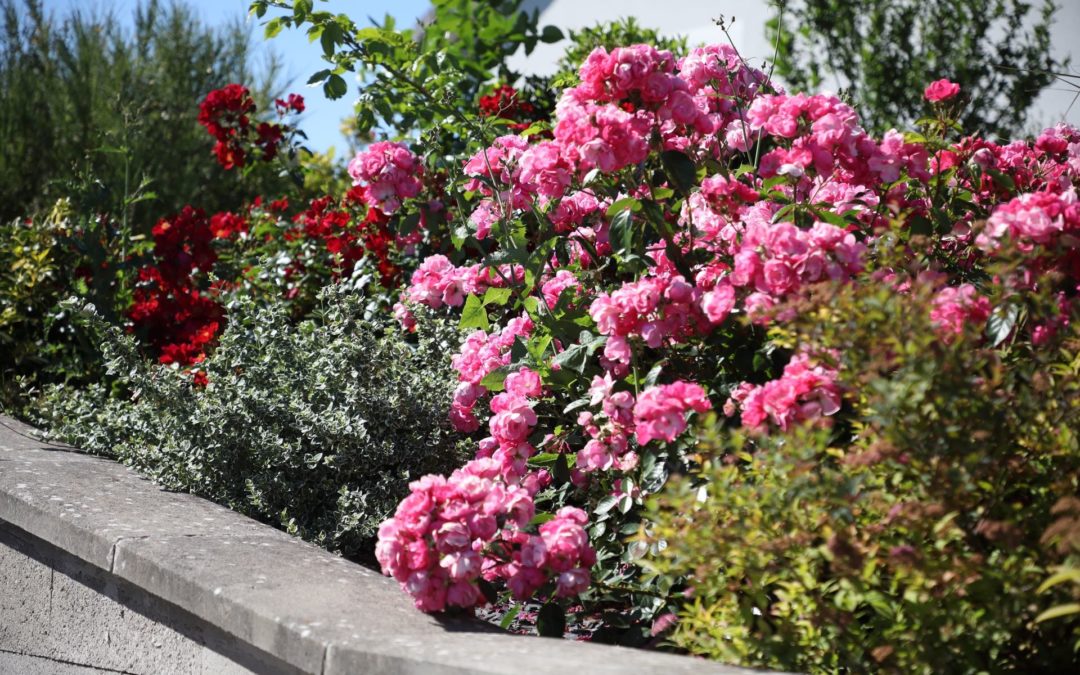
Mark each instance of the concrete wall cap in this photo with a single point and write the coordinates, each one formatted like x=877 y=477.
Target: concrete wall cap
x=297 y=602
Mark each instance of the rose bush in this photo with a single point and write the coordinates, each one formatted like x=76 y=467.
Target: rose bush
x=644 y=263
x=735 y=371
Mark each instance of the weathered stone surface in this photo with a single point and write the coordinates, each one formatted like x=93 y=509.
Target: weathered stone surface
x=17 y=437
x=86 y=505
x=281 y=599
x=23 y=664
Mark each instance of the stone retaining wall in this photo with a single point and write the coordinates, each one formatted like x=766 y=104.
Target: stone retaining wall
x=103 y=572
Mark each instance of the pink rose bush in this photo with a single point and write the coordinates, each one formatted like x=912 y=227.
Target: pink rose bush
x=388 y=173
x=659 y=413
x=956 y=306
x=622 y=276
x=450 y=534
x=804 y=392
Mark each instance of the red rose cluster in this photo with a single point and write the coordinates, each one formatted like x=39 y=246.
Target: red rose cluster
x=348 y=237
x=177 y=319
x=227 y=115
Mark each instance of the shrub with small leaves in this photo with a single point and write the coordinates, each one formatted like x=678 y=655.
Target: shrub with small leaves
x=317 y=426
x=910 y=536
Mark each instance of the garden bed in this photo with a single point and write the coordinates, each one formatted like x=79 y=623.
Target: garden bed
x=105 y=572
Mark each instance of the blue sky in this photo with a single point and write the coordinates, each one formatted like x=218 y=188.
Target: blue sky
x=322 y=119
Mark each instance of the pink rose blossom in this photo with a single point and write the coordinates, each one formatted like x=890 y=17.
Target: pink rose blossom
x=941 y=90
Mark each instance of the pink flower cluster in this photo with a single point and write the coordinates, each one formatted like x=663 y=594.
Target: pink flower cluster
x=573 y=209
x=437 y=282
x=744 y=241
x=609 y=430
x=956 y=306
x=1045 y=225
x=826 y=140
x=479 y=355
x=560 y=552
x=451 y=532
x=389 y=173
x=512 y=421
x=638 y=69
x=765 y=261
x=438 y=541
x=553 y=287
x=660 y=412
x=661 y=308
x=604 y=137
x=805 y=392
x=495 y=171
x=607 y=123
x=1035 y=219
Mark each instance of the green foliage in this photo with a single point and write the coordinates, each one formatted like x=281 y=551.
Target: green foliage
x=1064 y=582
x=885 y=53
x=415 y=80
x=91 y=109
x=29 y=279
x=911 y=538
x=42 y=261
x=317 y=427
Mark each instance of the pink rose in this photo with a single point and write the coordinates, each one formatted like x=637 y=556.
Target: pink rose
x=941 y=90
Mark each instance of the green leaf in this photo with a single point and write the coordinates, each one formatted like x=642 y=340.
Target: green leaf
x=920 y=225
x=551 y=621
x=580 y=403
x=493 y=381
x=561 y=471
x=534 y=128
x=301 y=8
x=319 y=77
x=626 y=203
x=551 y=34
x=490 y=594
x=1001 y=179
x=1071 y=574
x=335 y=87
x=544 y=459
x=621 y=232
x=605 y=505
x=574 y=358
x=273 y=27
x=537 y=347
x=331 y=35
x=473 y=315
x=510 y=615
x=497 y=296
x=541 y=518
x=532 y=306
x=1001 y=323
x=680 y=170
x=1059 y=611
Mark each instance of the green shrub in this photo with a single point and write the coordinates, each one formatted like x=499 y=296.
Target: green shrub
x=42 y=261
x=91 y=106
x=317 y=426
x=909 y=538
